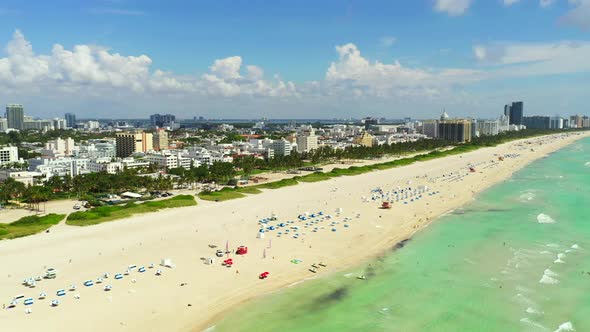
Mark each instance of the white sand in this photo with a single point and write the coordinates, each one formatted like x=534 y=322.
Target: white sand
x=161 y=304
x=64 y=206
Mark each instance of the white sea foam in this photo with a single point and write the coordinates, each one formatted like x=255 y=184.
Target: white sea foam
x=550 y=273
x=527 y=196
x=534 y=311
x=301 y=281
x=575 y=246
x=544 y=219
x=567 y=326
x=530 y=322
x=559 y=259
x=552 y=245
x=545 y=252
x=587 y=163
x=545 y=279
x=567 y=251
x=525 y=300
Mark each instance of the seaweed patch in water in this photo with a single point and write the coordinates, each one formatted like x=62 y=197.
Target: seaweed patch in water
x=334 y=296
x=401 y=244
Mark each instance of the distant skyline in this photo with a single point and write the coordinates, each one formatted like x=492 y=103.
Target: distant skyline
x=295 y=59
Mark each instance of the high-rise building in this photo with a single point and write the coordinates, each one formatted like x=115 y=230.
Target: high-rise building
x=59 y=124
x=15 y=116
x=131 y=142
x=575 y=121
x=516 y=113
x=160 y=139
x=70 y=120
x=161 y=120
x=3 y=124
x=365 y=139
x=488 y=127
x=455 y=130
x=537 y=122
x=368 y=122
x=307 y=141
x=430 y=128
x=281 y=147
x=556 y=122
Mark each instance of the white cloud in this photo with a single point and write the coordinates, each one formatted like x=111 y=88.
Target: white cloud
x=226 y=80
x=579 y=15
x=480 y=52
x=90 y=74
x=387 y=41
x=86 y=68
x=452 y=7
x=510 y=2
x=362 y=77
x=546 y=3
x=533 y=59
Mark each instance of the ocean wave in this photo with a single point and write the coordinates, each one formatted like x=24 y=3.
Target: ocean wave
x=384 y=311
x=525 y=300
x=531 y=322
x=552 y=245
x=545 y=252
x=527 y=196
x=575 y=246
x=523 y=289
x=550 y=273
x=544 y=219
x=534 y=311
x=559 y=259
x=545 y=279
x=587 y=163
x=300 y=281
x=567 y=326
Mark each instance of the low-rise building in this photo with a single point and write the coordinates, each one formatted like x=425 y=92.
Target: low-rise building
x=8 y=154
x=26 y=177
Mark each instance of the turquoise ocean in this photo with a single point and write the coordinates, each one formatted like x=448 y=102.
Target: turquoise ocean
x=516 y=259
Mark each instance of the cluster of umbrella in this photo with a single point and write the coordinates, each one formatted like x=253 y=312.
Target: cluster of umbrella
x=405 y=195
x=29 y=301
x=293 y=228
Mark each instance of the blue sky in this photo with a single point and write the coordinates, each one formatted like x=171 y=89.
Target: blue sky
x=295 y=59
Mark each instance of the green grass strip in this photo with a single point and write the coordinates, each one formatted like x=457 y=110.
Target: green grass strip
x=29 y=225
x=102 y=214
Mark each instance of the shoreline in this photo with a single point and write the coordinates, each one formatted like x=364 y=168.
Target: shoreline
x=210 y=324
x=209 y=292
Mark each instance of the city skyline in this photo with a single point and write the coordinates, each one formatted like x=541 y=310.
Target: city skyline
x=318 y=60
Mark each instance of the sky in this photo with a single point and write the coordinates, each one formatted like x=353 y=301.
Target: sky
x=294 y=59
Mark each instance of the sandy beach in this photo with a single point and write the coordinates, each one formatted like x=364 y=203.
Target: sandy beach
x=193 y=295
